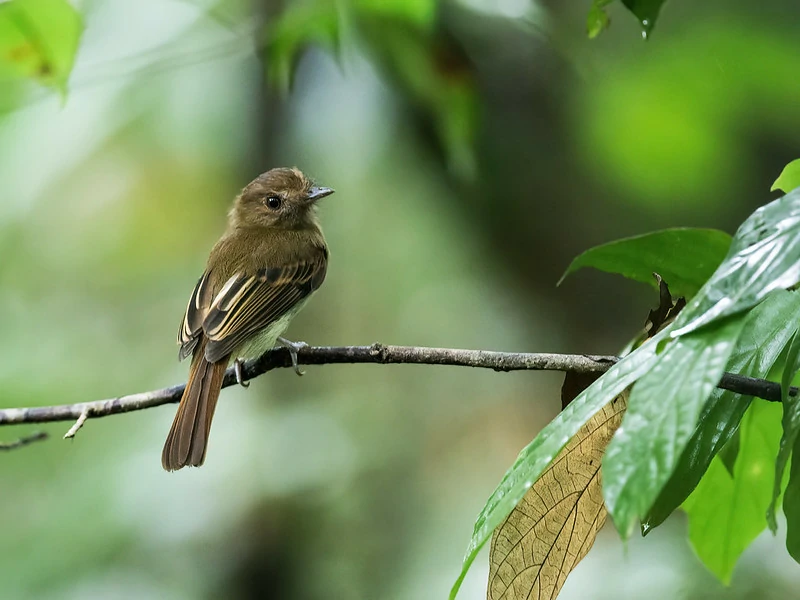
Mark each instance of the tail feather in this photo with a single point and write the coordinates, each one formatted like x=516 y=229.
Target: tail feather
x=188 y=438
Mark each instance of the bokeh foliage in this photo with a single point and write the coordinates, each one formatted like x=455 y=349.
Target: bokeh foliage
x=476 y=148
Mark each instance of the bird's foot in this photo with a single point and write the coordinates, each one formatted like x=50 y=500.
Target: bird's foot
x=237 y=369
x=293 y=348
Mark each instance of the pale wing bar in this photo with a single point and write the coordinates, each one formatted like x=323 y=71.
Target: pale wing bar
x=196 y=311
x=245 y=306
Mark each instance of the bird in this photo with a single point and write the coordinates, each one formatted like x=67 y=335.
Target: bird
x=259 y=275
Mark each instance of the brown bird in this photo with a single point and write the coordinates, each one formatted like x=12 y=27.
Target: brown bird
x=259 y=275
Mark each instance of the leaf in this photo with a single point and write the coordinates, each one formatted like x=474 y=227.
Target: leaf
x=790 y=423
x=537 y=455
x=760 y=344
x=438 y=77
x=685 y=258
x=299 y=25
x=666 y=311
x=419 y=12
x=38 y=40
x=789 y=178
x=727 y=513
x=574 y=384
x=646 y=11
x=556 y=522
x=717 y=426
x=730 y=449
x=791 y=504
x=597 y=20
x=429 y=66
x=764 y=256
x=663 y=412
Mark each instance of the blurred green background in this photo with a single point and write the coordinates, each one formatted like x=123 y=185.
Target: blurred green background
x=475 y=146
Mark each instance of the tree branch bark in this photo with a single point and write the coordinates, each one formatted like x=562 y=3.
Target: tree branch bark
x=24 y=441
x=377 y=354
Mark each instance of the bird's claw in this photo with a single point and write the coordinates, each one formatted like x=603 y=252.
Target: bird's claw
x=237 y=369
x=293 y=348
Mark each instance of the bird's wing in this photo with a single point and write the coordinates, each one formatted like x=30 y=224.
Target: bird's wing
x=247 y=304
x=196 y=311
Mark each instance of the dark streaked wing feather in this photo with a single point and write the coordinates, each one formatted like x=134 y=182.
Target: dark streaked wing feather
x=246 y=305
x=196 y=311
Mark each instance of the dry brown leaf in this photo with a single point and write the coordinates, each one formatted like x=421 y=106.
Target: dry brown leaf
x=574 y=384
x=668 y=308
x=555 y=524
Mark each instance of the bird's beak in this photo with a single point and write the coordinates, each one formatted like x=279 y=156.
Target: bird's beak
x=317 y=193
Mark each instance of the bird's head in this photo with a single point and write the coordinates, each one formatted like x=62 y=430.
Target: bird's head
x=283 y=198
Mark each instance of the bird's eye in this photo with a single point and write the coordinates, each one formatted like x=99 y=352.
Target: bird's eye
x=274 y=202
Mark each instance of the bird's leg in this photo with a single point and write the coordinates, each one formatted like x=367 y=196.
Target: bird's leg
x=293 y=348
x=237 y=369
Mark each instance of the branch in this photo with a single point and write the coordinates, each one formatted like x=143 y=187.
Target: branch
x=78 y=424
x=24 y=441
x=376 y=354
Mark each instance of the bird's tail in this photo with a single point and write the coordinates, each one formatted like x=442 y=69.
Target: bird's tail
x=187 y=440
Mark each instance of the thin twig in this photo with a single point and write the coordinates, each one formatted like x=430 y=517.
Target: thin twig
x=78 y=424
x=377 y=354
x=24 y=441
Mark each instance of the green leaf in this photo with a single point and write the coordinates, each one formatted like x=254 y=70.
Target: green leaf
x=38 y=40
x=730 y=450
x=685 y=258
x=791 y=504
x=646 y=11
x=300 y=25
x=663 y=412
x=432 y=70
x=763 y=339
x=764 y=256
x=790 y=423
x=419 y=12
x=597 y=20
x=536 y=457
x=438 y=78
x=727 y=513
x=789 y=178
